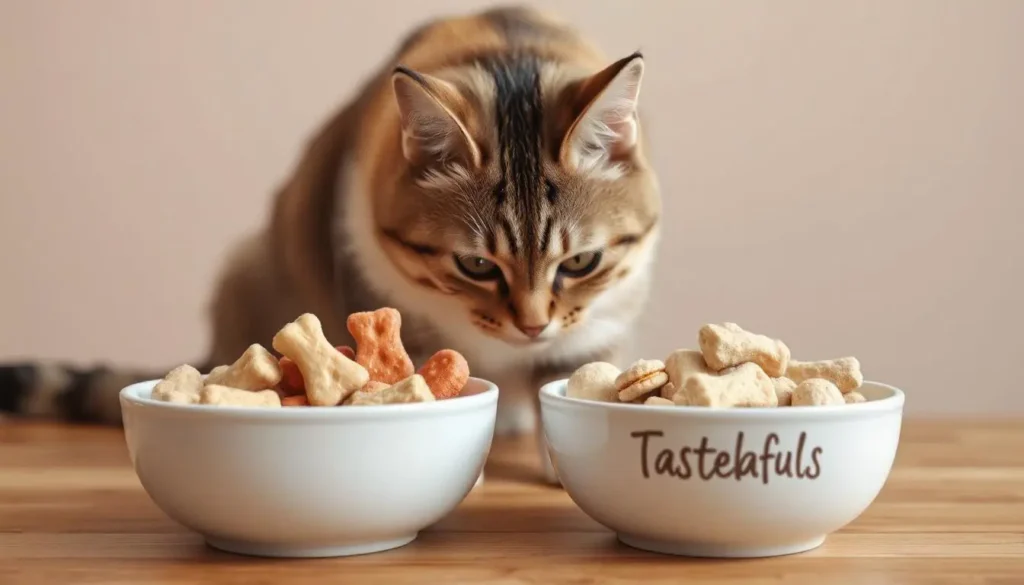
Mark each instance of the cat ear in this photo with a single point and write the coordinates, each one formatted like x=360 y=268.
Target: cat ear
x=607 y=126
x=431 y=131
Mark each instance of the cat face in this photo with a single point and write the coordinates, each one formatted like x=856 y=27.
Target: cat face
x=525 y=195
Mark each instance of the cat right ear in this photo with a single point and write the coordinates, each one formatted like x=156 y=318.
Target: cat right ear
x=606 y=125
x=431 y=131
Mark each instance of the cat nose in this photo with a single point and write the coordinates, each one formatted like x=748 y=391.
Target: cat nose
x=532 y=331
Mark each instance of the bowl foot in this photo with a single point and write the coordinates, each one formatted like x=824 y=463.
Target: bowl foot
x=258 y=549
x=696 y=549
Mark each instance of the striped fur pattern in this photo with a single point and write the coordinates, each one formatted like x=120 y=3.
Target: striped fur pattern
x=490 y=181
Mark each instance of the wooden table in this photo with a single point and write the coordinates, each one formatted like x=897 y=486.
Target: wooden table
x=72 y=511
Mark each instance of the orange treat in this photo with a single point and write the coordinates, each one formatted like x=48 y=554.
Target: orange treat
x=446 y=372
x=291 y=378
x=298 y=400
x=379 y=346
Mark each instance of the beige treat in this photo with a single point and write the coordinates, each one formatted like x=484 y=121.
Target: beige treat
x=594 y=381
x=680 y=398
x=854 y=397
x=374 y=386
x=843 y=372
x=817 y=392
x=218 y=395
x=743 y=385
x=680 y=365
x=330 y=377
x=668 y=391
x=643 y=377
x=181 y=385
x=658 y=401
x=728 y=345
x=257 y=369
x=412 y=389
x=784 y=390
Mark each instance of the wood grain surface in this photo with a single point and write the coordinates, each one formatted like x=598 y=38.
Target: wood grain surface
x=72 y=511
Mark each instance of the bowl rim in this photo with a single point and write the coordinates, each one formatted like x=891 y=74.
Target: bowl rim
x=553 y=393
x=137 y=395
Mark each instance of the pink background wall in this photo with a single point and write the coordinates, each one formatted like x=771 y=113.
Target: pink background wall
x=847 y=176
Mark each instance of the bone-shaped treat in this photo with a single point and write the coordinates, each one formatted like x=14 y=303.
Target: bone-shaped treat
x=728 y=345
x=412 y=389
x=843 y=372
x=743 y=385
x=181 y=385
x=379 y=346
x=218 y=395
x=291 y=378
x=329 y=376
x=680 y=365
x=374 y=386
x=257 y=369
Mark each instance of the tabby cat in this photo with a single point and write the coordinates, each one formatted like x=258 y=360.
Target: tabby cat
x=490 y=182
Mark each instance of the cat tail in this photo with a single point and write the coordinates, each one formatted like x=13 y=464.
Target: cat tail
x=66 y=393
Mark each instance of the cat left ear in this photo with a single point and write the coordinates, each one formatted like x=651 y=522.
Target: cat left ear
x=607 y=126
x=431 y=131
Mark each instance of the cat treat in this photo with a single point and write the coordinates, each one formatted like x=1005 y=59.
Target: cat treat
x=218 y=395
x=680 y=366
x=379 y=346
x=257 y=369
x=295 y=400
x=594 y=381
x=291 y=377
x=854 y=397
x=734 y=368
x=374 y=386
x=217 y=372
x=728 y=345
x=784 y=390
x=181 y=385
x=641 y=379
x=843 y=372
x=743 y=385
x=328 y=375
x=311 y=372
x=658 y=401
x=446 y=372
x=817 y=392
x=412 y=389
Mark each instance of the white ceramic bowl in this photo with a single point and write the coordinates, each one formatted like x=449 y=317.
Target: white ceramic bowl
x=637 y=470
x=309 y=482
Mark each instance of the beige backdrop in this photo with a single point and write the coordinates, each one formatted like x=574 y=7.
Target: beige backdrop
x=844 y=175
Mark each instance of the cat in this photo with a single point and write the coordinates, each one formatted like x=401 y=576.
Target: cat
x=490 y=181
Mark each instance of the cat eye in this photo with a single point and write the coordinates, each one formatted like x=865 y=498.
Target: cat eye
x=477 y=268
x=580 y=265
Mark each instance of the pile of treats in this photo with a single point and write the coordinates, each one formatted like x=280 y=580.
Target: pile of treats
x=734 y=368
x=312 y=372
